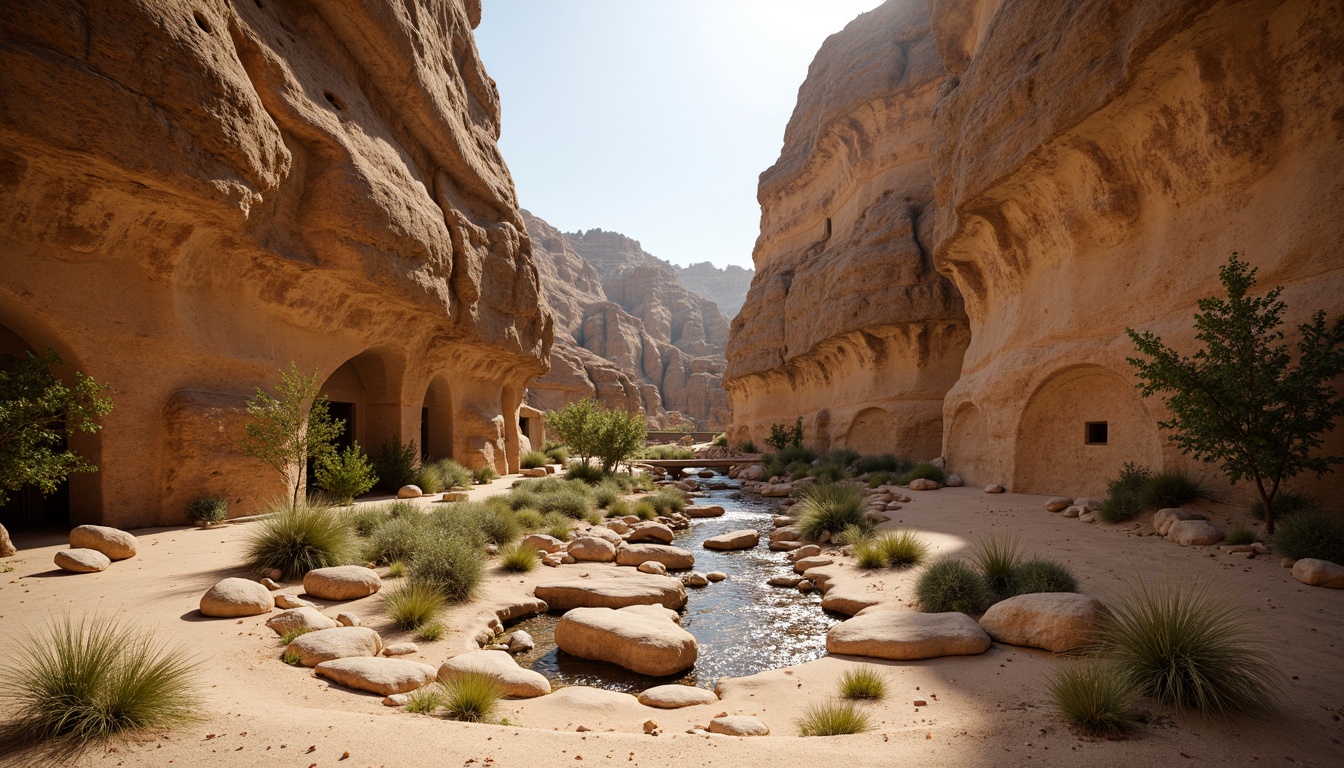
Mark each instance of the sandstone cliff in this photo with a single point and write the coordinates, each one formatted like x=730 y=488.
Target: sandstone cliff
x=725 y=286
x=627 y=331
x=196 y=194
x=847 y=324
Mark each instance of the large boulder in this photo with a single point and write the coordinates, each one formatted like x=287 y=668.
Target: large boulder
x=1319 y=573
x=743 y=539
x=542 y=543
x=803 y=564
x=7 y=548
x=236 y=597
x=903 y=636
x=614 y=592
x=1054 y=621
x=590 y=549
x=699 y=512
x=377 y=674
x=1163 y=519
x=498 y=666
x=787 y=533
x=676 y=696
x=336 y=643
x=1194 y=533
x=116 y=544
x=739 y=725
x=654 y=532
x=675 y=558
x=82 y=560
x=641 y=638
x=753 y=472
x=409 y=492
x=342 y=582
x=309 y=619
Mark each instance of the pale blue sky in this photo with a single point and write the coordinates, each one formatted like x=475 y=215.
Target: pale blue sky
x=652 y=118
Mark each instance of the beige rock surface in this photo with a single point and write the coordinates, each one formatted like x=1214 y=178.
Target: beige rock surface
x=1319 y=573
x=676 y=696
x=341 y=582
x=744 y=539
x=675 y=558
x=645 y=639
x=79 y=560
x=236 y=597
x=322 y=645
x=1053 y=621
x=1194 y=533
x=116 y=544
x=904 y=636
x=739 y=725
x=300 y=618
x=377 y=674
x=614 y=592
x=6 y=544
x=592 y=549
x=500 y=667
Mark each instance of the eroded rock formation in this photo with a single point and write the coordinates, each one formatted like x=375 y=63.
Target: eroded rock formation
x=725 y=286
x=195 y=195
x=847 y=324
x=627 y=331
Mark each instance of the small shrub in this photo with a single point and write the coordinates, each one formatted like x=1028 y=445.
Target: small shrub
x=1186 y=648
x=396 y=569
x=924 y=471
x=902 y=548
x=644 y=511
x=428 y=479
x=79 y=680
x=747 y=447
x=1286 y=504
x=1242 y=535
x=1094 y=696
x=297 y=539
x=1040 y=575
x=882 y=478
x=588 y=473
x=1172 y=488
x=1125 y=494
x=518 y=558
x=796 y=454
x=721 y=441
x=471 y=697
x=852 y=534
x=449 y=565
x=208 y=510
x=292 y=658
x=618 y=508
x=833 y=719
x=667 y=501
x=1310 y=534
x=843 y=457
x=344 y=474
x=485 y=474
x=782 y=436
x=430 y=632
x=665 y=452
x=402 y=508
x=396 y=539
x=863 y=683
x=558 y=455
x=533 y=460
x=529 y=519
x=365 y=519
x=951 y=585
x=593 y=518
x=289 y=636
x=395 y=463
x=869 y=555
x=885 y=462
x=568 y=501
x=606 y=493
x=453 y=475
x=998 y=558
x=412 y=605
x=480 y=522
x=830 y=508
x=425 y=700
x=559 y=526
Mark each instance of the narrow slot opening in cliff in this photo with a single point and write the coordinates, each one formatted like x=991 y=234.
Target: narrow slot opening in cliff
x=334 y=100
x=1096 y=432
x=201 y=22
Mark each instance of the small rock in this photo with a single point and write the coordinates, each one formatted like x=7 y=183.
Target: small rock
x=650 y=726
x=921 y=484
x=339 y=643
x=348 y=620
x=401 y=649
x=1286 y=562
x=396 y=700
x=289 y=620
x=1088 y=517
x=739 y=725
x=521 y=642
x=500 y=667
x=271 y=584
x=734 y=540
x=694 y=579
x=235 y=597
x=80 y=560
x=920 y=703
x=804 y=563
x=410 y=492
x=1058 y=503
x=455 y=496
x=1091 y=502
x=542 y=543
x=1163 y=519
x=654 y=567
x=377 y=674
x=676 y=696
x=716 y=576
x=290 y=601
x=995 y=488
x=492 y=549
x=590 y=549
x=785 y=581
x=1194 y=533
x=805 y=586
x=649 y=531
x=809 y=550
x=1073 y=512
x=955 y=481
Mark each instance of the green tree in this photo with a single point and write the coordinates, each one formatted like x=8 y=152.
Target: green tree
x=36 y=411
x=592 y=431
x=1241 y=401
x=576 y=425
x=782 y=437
x=291 y=427
x=345 y=474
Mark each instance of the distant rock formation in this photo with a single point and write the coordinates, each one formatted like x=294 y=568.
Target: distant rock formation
x=195 y=195
x=725 y=286
x=627 y=331
x=847 y=324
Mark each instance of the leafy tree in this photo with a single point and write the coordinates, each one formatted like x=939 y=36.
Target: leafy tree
x=1241 y=402
x=592 y=431
x=288 y=429
x=345 y=474
x=782 y=437
x=575 y=424
x=36 y=411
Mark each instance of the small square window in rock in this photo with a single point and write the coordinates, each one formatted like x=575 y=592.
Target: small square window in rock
x=1095 y=432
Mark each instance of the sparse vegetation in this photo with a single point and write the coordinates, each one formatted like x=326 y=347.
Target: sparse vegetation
x=998 y=558
x=471 y=697
x=453 y=475
x=869 y=555
x=1125 y=494
x=288 y=430
x=1094 y=696
x=830 y=508
x=412 y=605
x=290 y=635
x=533 y=460
x=884 y=462
x=721 y=440
x=1242 y=535
x=863 y=683
x=852 y=534
x=366 y=519
x=206 y=511
x=296 y=539
x=584 y=472
x=345 y=474
x=518 y=558
x=747 y=447
x=667 y=501
x=396 y=539
x=395 y=464
x=558 y=455
x=529 y=519
x=833 y=719
x=430 y=631
x=902 y=548
x=1286 y=504
x=1041 y=575
x=485 y=474
x=1173 y=487
x=425 y=700
x=951 y=585
x=396 y=569
x=559 y=526
x=668 y=451
x=606 y=493
x=428 y=479
x=449 y=564
x=644 y=511
x=1311 y=534
x=924 y=471
x=783 y=436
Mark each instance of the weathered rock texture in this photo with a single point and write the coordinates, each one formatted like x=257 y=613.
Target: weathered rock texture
x=725 y=286
x=847 y=324
x=1094 y=169
x=193 y=195
x=627 y=331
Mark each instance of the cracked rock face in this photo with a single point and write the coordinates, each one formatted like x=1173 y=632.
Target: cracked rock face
x=847 y=324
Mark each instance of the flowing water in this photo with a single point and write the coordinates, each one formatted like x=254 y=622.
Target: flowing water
x=742 y=625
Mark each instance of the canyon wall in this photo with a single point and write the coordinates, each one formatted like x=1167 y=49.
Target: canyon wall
x=195 y=195
x=627 y=331
x=847 y=324
x=725 y=286
x=1094 y=169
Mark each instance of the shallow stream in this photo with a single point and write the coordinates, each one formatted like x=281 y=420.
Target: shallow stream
x=742 y=625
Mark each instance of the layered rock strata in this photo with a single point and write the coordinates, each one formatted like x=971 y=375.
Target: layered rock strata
x=847 y=324
x=725 y=286
x=196 y=195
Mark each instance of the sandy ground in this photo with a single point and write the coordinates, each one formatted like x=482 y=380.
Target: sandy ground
x=989 y=710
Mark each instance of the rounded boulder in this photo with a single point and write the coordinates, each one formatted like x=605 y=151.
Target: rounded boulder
x=645 y=639
x=590 y=549
x=499 y=666
x=1053 y=621
x=902 y=636
x=337 y=643
x=82 y=560
x=115 y=543
x=743 y=539
x=676 y=696
x=342 y=582
x=235 y=597
x=377 y=674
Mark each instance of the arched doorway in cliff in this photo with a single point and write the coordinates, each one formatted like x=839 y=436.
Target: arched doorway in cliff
x=968 y=446
x=436 y=420
x=871 y=431
x=362 y=394
x=1077 y=431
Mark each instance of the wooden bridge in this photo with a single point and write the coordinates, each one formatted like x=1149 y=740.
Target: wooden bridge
x=698 y=463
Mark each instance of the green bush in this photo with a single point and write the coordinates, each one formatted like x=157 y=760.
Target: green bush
x=588 y=473
x=924 y=471
x=471 y=697
x=80 y=680
x=883 y=478
x=1242 y=535
x=1286 y=504
x=344 y=474
x=395 y=464
x=208 y=510
x=611 y=436
x=951 y=585
x=1172 y=488
x=796 y=454
x=782 y=436
x=852 y=534
x=396 y=539
x=1041 y=575
x=606 y=493
x=297 y=539
x=1094 y=696
x=484 y=522
x=412 y=605
x=366 y=518
x=668 y=501
x=558 y=455
x=998 y=558
x=721 y=441
x=869 y=555
x=644 y=511
x=529 y=519
x=533 y=460
x=559 y=525
x=833 y=719
x=425 y=700
x=902 y=548
x=1310 y=534
x=569 y=501
x=484 y=475
x=881 y=463
x=518 y=558
x=830 y=509
x=428 y=479
x=449 y=565
x=665 y=452
x=1125 y=494
x=618 y=508
x=396 y=569
x=863 y=683
x=747 y=447
x=1186 y=648
x=453 y=475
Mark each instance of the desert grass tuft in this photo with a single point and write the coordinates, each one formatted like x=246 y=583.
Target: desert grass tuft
x=951 y=585
x=1094 y=696
x=902 y=548
x=292 y=658
x=644 y=511
x=518 y=558
x=1241 y=536
x=998 y=557
x=426 y=700
x=533 y=460
x=289 y=636
x=412 y=605
x=471 y=697
x=1125 y=495
x=863 y=683
x=853 y=534
x=1173 y=487
x=869 y=555
x=76 y=681
x=1310 y=533
x=1041 y=575
x=833 y=719
x=366 y=518
x=296 y=539
x=396 y=569
x=430 y=632
x=559 y=526
x=830 y=508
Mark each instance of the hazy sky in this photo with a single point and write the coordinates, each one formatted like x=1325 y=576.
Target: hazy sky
x=652 y=118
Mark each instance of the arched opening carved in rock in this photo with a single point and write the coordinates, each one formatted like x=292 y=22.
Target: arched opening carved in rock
x=436 y=420
x=362 y=393
x=967 y=449
x=1057 y=452
x=872 y=431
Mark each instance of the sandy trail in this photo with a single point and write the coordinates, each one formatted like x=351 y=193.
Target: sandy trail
x=989 y=710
